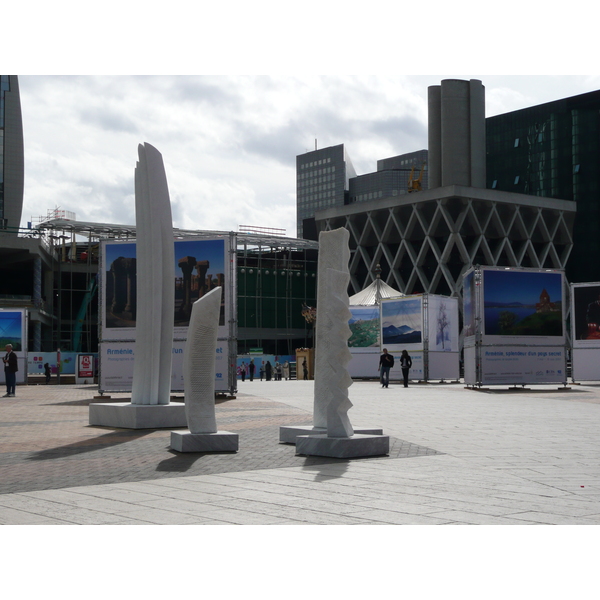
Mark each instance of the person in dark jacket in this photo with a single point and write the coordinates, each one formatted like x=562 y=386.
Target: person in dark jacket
x=268 y=369
x=10 y=371
x=386 y=362
x=405 y=365
x=47 y=372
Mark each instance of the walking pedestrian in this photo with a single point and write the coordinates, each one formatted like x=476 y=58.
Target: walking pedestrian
x=47 y=372
x=386 y=362
x=243 y=371
x=405 y=365
x=251 y=368
x=268 y=369
x=286 y=370
x=262 y=370
x=305 y=370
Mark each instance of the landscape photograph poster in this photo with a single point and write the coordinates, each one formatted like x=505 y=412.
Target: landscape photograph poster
x=442 y=318
x=402 y=323
x=12 y=329
x=585 y=315
x=199 y=268
x=522 y=306
x=364 y=325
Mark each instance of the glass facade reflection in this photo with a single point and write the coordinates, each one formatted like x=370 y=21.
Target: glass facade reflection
x=553 y=150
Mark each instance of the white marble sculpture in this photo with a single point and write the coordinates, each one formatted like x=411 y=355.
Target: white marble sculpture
x=199 y=363
x=155 y=260
x=199 y=382
x=150 y=405
x=332 y=380
x=334 y=255
x=334 y=315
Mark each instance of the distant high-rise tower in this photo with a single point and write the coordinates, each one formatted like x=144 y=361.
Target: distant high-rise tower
x=11 y=154
x=322 y=181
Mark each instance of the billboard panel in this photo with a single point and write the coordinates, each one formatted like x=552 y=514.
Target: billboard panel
x=522 y=307
x=442 y=323
x=200 y=265
x=585 y=315
x=365 y=327
x=402 y=323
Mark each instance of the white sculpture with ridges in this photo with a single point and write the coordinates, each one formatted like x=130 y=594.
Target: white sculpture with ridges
x=199 y=382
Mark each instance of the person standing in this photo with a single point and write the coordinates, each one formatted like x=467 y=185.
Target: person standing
x=262 y=370
x=47 y=372
x=10 y=371
x=386 y=362
x=243 y=371
x=251 y=368
x=405 y=365
x=277 y=371
x=305 y=370
x=286 y=370
x=268 y=368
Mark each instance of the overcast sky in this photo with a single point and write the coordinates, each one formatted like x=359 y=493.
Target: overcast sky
x=229 y=143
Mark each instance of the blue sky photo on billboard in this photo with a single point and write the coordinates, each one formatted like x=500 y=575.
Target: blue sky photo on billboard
x=401 y=322
x=522 y=303
x=11 y=329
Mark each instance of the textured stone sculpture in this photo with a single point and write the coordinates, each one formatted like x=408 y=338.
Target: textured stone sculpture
x=332 y=380
x=334 y=315
x=155 y=253
x=199 y=382
x=331 y=357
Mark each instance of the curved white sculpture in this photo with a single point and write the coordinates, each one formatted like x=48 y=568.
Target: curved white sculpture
x=155 y=253
x=199 y=363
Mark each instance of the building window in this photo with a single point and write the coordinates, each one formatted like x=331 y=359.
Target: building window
x=516 y=180
x=494 y=184
x=517 y=143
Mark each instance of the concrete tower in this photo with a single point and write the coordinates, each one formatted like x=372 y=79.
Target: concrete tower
x=457 y=133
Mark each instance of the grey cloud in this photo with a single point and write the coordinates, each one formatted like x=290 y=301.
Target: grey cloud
x=108 y=119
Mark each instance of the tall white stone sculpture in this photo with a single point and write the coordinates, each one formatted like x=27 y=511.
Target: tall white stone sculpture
x=332 y=379
x=199 y=382
x=150 y=405
x=334 y=254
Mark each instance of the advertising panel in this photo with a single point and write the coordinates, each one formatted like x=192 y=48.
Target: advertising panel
x=443 y=323
x=85 y=367
x=200 y=265
x=402 y=324
x=522 y=307
x=13 y=330
x=522 y=365
x=365 y=327
x=585 y=315
x=116 y=366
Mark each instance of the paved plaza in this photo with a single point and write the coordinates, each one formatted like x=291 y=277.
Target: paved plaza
x=457 y=457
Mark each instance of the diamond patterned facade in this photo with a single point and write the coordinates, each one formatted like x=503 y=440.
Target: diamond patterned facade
x=426 y=240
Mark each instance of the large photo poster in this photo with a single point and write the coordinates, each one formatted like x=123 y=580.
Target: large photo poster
x=199 y=267
x=402 y=323
x=442 y=323
x=585 y=315
x=522 y=307
x=364 y=325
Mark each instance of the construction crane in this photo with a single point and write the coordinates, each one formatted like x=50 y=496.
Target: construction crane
x=414 y=185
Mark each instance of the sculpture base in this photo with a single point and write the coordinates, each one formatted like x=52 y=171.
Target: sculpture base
x=289 y=433
x=356 y=446
x=138 y=416
x=221 y=441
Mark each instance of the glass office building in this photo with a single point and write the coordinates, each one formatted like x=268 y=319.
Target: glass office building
x=553 y=150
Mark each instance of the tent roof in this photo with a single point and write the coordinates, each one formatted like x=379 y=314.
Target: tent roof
x=373 y=293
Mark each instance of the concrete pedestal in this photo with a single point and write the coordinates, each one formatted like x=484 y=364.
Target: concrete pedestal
x=356 y=446
x=289 y=433
x=221 y=441
x=138 y=416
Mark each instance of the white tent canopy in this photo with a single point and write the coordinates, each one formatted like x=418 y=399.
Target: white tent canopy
x=372 y=294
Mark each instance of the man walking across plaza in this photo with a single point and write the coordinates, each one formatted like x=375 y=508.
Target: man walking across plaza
x=10 y=371
x=386 y=362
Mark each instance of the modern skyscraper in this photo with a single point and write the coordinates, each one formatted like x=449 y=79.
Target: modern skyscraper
x=11 y=154
x=322 y=181
x=553 y=150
